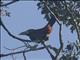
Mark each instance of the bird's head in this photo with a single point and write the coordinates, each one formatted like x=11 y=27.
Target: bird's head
x=27 y=32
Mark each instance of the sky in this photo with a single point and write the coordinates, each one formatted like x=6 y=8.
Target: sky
x=25 y=15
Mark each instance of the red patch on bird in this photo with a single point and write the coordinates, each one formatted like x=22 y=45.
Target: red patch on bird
x=49 y=29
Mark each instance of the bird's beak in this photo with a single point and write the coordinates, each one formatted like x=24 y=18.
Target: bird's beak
x=22 y=33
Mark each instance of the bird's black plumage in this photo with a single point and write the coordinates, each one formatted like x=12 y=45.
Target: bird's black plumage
x=52 y=20
x=37 y=35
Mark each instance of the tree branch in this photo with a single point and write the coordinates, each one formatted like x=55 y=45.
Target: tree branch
x=12 y=49
x=13 y=57
x=24 y=56
x=60 y=39
x=23 y=51
x=1 y=5
x=9 y=33
x=51 y=55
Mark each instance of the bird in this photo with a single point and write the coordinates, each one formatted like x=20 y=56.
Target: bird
x=41 y=35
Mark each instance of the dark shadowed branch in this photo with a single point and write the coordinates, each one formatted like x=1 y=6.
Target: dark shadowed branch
x=60 y=39
x=51 y=55
x=14 y=48
x=23 y=51
x=6 y=4
x=24 y=56
x=13 y=57
x=9 y=33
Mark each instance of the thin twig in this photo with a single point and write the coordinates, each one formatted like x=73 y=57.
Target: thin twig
x=61 y=43
x=51 y=55
x=6 y=4
x=14 y=48
x=13 y=53
x=24 y=56
x=29 y=50
x=13 y=57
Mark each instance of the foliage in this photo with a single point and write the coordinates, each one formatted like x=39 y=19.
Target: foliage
x=66 y=11
x=4 y=11
x=71 y=52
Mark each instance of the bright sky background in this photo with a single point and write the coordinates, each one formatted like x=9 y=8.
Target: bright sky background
x=24 y=16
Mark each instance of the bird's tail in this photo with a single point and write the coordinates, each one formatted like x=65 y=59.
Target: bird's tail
x=52 y=21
